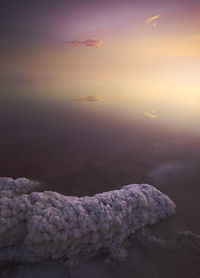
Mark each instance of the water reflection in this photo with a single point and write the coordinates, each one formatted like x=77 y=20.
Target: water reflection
x=85 y=148
x=79 y=151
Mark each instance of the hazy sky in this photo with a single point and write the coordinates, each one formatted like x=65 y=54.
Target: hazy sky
x=133 y=58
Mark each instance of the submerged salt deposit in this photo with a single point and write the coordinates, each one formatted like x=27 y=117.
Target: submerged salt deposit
x=47 y=225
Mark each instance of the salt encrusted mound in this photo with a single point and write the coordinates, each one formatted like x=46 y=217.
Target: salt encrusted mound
x=11 y=188
x=48 y=225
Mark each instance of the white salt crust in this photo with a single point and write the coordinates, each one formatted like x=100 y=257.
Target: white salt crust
x=47 y=225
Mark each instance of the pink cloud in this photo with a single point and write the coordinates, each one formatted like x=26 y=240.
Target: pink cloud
x=150 y=19
x=88 y=42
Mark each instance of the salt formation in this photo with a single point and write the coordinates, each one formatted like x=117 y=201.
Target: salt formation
x=11 y=188
x=48 y=225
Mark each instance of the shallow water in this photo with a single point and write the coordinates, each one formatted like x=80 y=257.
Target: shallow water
x=79 y=150
x=83 y=150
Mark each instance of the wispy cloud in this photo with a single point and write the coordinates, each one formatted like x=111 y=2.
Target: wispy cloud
x=151 y=19
x=89 y=98
x=88 y=42
x=151 y=115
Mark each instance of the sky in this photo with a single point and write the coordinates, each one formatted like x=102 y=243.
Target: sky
x=95 y=94
x=132 y=59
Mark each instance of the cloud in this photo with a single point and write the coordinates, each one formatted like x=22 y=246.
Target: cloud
x=47 y=225
x=89 y=98
x=151 y=19
x=88 y=42
x=151 y=115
